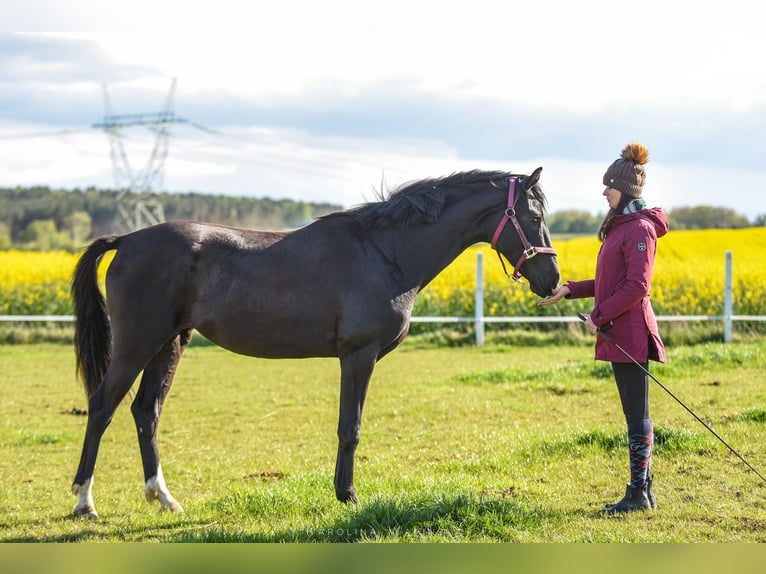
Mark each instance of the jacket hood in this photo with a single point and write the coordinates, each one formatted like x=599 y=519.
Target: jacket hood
x=655 y=215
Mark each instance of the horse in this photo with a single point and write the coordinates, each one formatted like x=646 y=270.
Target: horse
x=342 y=286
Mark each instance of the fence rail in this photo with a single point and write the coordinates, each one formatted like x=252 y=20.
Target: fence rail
x=479 y=319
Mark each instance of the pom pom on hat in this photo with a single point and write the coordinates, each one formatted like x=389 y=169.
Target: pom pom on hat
x=627 y=173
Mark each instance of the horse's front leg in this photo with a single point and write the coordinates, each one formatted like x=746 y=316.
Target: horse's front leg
x=356 y=370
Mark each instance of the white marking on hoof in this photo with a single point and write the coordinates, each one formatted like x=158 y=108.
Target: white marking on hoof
x=156 y=489
x=84 y=493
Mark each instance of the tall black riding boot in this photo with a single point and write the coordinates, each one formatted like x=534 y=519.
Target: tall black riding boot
x=634 y=499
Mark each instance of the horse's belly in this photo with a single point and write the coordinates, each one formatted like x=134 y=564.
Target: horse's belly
x=271 y=341
x=313 y=323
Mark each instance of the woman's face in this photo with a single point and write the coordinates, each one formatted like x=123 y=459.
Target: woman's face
x=613 y=197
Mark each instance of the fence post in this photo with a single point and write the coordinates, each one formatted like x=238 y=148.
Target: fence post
x=727 y=301
x=478 y=310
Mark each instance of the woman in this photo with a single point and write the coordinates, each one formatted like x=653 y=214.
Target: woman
x=620 y=290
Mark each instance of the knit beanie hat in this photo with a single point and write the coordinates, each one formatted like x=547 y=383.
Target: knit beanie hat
x=627 y=173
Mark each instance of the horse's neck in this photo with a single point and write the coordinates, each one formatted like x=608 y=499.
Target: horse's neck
x=421 y=252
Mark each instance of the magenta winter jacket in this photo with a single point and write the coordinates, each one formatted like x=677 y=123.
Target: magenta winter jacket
x=621 y=287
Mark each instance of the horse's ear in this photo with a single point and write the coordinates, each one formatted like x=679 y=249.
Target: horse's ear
x=535 y=177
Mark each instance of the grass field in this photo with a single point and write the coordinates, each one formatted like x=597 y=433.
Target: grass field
x=463 y=444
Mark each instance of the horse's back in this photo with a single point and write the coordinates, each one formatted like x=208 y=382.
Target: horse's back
x=159 y=272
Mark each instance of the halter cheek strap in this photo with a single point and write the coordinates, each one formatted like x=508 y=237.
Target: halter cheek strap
x=528 y=251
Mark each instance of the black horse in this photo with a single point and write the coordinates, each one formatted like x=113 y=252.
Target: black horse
x=343 y=286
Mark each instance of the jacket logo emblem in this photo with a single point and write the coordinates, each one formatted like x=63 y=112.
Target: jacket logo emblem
x=642 y=246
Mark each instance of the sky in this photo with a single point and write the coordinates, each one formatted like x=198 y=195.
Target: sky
x=331 y=101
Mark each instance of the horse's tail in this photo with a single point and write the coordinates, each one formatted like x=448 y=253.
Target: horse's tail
x=93 y=334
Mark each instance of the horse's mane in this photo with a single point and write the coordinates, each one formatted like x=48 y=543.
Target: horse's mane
x=418 y=201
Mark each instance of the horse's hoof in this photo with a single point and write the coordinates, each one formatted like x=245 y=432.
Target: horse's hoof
x=347 y=496
x=84 y=493
x=85 y=512
x=173 y=506
x=156 y=489
x=167 y=502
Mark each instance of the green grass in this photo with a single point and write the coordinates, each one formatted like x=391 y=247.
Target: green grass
x=458 y=444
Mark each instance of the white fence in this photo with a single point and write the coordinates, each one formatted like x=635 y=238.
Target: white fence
x=727 y=318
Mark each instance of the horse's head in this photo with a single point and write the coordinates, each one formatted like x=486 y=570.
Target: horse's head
x=526 y=242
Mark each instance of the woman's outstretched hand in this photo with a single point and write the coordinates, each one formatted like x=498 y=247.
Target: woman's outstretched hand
x=558 y=294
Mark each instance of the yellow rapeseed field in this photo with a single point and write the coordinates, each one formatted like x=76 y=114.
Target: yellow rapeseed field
x=688 y=279
x=37 y=283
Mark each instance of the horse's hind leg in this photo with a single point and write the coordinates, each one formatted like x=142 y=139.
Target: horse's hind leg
x=147 y=408
x=117 y=381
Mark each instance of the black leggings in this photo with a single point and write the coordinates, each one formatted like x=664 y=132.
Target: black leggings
x=633 y=386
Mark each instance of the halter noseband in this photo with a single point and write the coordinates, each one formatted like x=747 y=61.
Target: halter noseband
x=529 y=251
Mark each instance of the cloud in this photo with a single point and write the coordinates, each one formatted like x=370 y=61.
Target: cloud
x=57 y=81
x=42 y=59
x=324 y=106
x=483 y=128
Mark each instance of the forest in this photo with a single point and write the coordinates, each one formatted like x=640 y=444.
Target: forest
x=40 y=218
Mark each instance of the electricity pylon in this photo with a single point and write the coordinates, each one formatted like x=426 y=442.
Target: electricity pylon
x=137 y=203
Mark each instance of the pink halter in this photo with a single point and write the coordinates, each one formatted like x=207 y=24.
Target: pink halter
x=529 y=251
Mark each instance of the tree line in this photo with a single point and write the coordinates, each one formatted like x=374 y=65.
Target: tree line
x=46 y=219
x=698 y=217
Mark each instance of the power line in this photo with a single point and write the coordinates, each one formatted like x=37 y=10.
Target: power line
x=137 y=203
x=31 y=135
